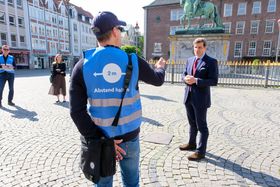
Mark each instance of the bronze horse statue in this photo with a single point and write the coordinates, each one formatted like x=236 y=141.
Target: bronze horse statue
x=206 y=9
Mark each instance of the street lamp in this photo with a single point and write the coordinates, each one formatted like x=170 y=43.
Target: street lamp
x=136 y=35
x=277 y=50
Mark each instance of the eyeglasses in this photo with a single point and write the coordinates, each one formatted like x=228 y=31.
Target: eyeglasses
x=6 y=49
x=120 y=28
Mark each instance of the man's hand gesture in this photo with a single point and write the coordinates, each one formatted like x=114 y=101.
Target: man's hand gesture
x=160 y=63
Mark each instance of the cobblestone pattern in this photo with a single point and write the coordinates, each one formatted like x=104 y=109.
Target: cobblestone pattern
x=39 y=144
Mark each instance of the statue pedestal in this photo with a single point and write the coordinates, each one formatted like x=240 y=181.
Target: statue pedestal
x=181 y=46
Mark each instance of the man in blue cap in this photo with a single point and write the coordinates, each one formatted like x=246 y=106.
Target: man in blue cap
x=98 y=78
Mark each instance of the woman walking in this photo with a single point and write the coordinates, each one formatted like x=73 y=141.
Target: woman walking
x=58 y=86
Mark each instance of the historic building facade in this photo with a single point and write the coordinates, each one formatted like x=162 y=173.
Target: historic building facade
x=57 y=27
x=252 y=26
x=36 y=30
x=14 y=30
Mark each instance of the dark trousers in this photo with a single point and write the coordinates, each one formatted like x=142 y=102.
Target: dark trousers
x=10 y=77
x=197 y=120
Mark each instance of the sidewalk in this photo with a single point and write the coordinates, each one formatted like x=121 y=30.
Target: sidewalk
x=39 y=144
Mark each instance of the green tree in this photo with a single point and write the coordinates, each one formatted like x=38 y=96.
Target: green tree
x=131 y=49
x=141 y=43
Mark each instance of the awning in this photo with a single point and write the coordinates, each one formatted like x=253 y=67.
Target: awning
x=24 y=52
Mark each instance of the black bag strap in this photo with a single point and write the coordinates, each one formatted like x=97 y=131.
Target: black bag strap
x=126 y=84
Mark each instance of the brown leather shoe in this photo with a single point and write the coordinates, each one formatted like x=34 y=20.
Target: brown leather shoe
x=187 y=147
x=196 y=157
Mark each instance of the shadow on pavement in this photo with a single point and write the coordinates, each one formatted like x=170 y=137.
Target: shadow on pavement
x=243 y=173
x=63 y=104
x=151 y=121
x=22 y=113
x=153 y=97
x=33 y=73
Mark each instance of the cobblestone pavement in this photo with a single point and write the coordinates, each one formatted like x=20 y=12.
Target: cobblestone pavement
x=39 y=144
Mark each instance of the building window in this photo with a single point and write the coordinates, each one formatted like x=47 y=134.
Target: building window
x=267 y=48
x=66 y=47
x=14 y=40
x=75 y=38
x=11 y=2
x=20 y=22
x=241 y=9
x=75 y=27
x=4 y=38
x=269 y=26
x=34 y=28
x=22 y=41
x=66 y=35
x=42 y=44
x=65 y=23
x=240 y=27
x=40 y=15
x=252 y=48
x=12 y=20
x=227 y=27
x=19 y=3
x=256 y=7
x=271 y=7
x=60 y=21
x=62 y=7
x=176 y=14
x=76 y=48
x=33 y=12
x=54 y=20
x=2 y=17
x=237 y=49
x=36 y=2
x=227 y=10
x=50 y=5
x=254 y=27
x=55 y=33
x=73 y=13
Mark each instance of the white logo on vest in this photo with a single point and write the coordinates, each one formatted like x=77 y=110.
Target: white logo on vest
x=91 y=165
x=111 y=73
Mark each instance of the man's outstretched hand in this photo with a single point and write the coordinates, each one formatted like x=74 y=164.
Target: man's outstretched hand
x=160 y=63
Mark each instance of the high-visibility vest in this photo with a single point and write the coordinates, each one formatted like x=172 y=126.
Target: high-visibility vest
x=8 y=67
x=104 y=70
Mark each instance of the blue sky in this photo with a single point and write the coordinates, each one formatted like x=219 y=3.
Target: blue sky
x=130 y=11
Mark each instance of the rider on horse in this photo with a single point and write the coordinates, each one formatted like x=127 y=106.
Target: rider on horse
x=196 y=5
x=200 y=8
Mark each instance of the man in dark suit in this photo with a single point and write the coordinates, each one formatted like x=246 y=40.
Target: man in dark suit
x=201 y=72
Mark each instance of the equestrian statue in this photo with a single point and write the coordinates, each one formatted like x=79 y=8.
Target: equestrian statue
x=202 y=9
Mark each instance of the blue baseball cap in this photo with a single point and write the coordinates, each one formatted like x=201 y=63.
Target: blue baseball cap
x=104 y=22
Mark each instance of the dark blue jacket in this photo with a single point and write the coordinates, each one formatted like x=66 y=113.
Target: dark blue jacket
x=207 y=75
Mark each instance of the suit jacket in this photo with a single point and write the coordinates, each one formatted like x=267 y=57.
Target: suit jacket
x=207 y=75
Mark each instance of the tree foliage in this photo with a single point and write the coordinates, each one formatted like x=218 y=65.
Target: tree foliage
x=131 y=49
